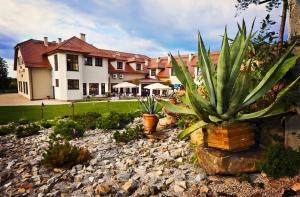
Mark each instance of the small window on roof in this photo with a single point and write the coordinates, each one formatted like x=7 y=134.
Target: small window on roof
x=119 y=65
x=138 y=67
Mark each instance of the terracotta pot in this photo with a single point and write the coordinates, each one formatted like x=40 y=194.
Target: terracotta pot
x=172 y=100
x=150 y=122
x=233 y=137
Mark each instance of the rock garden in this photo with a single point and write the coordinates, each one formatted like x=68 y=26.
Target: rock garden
x=223 y=136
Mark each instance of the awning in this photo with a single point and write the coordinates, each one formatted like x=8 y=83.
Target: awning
x=157 y=86
x=125 y=85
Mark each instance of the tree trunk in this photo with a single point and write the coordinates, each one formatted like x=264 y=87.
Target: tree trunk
x=282 y=25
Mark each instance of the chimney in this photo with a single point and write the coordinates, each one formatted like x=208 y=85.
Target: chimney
x=59 y=40
x=46 y=41
x=191 y=57
x=169 y=58
x=82 y=36
x=158 y=59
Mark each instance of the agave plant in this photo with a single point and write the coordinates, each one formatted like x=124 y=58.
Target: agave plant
x=149 y=105
x=227 y=84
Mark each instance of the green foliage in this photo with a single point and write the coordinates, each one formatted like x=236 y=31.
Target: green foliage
x=280 y=162
x=46 y=123
x=150 y=106
x=7 y=129
x=245 y=177
x=228 y=86
x=67 y=129
x=27 y=130
x=88 y=120
x=186 y=120
x=64 y=155
x=23 y=121
x=129 y=134
x=115 y=120
x=3 y=75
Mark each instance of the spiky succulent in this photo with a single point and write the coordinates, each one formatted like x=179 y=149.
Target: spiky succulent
x=149 y=105
x=228 y=86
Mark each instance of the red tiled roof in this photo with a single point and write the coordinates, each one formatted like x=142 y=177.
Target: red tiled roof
x=75 y=44
x=165 y=66
x=32 y=53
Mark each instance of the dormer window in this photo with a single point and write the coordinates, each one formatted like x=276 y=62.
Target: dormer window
x=119 y=65
x=138 y=67
x=88 y=61
x=153 y=72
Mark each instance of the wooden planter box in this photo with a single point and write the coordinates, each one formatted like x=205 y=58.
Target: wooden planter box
x=234 y=137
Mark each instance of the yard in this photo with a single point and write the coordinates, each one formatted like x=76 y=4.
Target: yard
x=33 y=113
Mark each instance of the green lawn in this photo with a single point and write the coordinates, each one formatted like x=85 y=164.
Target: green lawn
x=33 y=113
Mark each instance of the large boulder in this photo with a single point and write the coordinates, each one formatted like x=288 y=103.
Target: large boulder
x=215 y=161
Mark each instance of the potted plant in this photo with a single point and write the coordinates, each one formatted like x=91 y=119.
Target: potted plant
x=229 y=92
x=150 y=109
x=173 y=98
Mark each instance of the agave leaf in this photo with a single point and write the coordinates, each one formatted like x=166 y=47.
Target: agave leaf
x=239 y=59
x=234 y=49
x=198 y=105
x=266 y=110
x=191 y=129
x=272 y=77
x=188 y=77
x=206 y=69
x=223 y=74
x=176 y=108
x=214 y=118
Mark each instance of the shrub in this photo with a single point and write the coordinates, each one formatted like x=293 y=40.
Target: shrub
x=7 y=129
x=185 y=121
x=27 y=130
x=115 y=120
x=280 y=162
x=46 y=124
x=68 y=129
x=88 y=120
x=64 y=155
x=23 y=121
x=129 y=134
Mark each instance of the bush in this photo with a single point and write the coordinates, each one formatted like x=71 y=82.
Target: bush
x=115 y=120
x=27 y=130
x=4 y=130
x=64 y=155
x=280 y=162
x=23 y=121
x=68 y=129
x=46 y=124
x=129 y=134
x=88 y=120
x=185 y=121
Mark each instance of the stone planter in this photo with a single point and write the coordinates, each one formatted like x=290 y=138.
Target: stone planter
x=150 y=122
x=233 y=137
x=215 y=161
x=197 y=137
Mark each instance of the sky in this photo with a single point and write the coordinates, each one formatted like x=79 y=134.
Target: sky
x=150 y=27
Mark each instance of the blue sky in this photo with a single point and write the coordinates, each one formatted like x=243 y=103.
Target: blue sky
x=151 y=27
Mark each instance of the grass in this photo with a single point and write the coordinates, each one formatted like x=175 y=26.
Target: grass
x=34 y=113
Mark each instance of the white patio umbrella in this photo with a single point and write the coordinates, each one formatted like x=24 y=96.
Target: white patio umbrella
x=125 y=85
x=157 y=86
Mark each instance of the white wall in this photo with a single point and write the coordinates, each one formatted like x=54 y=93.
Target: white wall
x=23 y=75
x=41 y=83
x=86 y=74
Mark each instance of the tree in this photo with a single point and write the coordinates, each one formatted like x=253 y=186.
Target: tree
x=3 y=75
x=270 y=5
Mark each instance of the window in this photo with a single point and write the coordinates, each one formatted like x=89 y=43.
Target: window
x=94 y=89
x=114 y=76
x=153 y=72
x=119 y=65
x=98 y=61
x=20 y=86
x=56 y=83
x=172 y=72
x=121 y=76
x=88 y=61
x=84 y=88
x=138 y=67
x=73 y=84
x=102 y=88
x=56 y=62
x=72 y=63
x=26 y=88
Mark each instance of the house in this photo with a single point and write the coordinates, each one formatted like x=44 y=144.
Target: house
x=74 y=69
x=161 y=68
